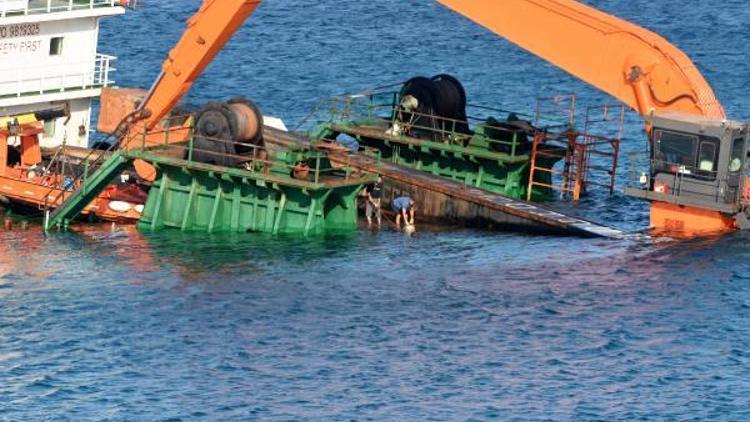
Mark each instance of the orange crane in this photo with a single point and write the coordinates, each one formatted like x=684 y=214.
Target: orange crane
x=697 y=157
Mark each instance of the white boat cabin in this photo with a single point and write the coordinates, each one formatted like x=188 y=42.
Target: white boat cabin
x=49 y=57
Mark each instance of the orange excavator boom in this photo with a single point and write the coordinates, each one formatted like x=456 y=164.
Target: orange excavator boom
x=207 y=33
x=633 y=64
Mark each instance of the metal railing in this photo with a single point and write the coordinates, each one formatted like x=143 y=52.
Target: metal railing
x=177 y=143
x=681 y=183
x=581 y=156
x=556 y=112
x=31 y=7
x=303 y=165
x=58 y=78
x=487 y=123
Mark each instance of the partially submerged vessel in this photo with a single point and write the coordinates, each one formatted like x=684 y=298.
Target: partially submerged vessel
x=220 y=170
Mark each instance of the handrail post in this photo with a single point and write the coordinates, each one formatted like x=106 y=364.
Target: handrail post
x=190 y=149
x=105 y=75
x=190 y=146
x=143 y=138
x=166 y=133
x=394 y=109
x=85 y=172
x=317 y=168
x=370 y=108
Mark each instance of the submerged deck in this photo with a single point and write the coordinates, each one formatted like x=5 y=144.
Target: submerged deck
x=446 y=201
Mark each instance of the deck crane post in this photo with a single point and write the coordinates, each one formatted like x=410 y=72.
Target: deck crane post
x=697 y=156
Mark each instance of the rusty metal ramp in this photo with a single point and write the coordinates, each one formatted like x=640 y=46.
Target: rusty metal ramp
x=487 y=207
x=446 y=201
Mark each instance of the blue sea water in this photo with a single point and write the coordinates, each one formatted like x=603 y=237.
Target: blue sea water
x=448 y=325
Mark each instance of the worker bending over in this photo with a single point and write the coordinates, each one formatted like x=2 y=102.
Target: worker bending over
x=403 y=206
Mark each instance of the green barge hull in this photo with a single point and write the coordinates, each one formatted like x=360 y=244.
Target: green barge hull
x=202 y=200
x=288 y=191
x=503 y=173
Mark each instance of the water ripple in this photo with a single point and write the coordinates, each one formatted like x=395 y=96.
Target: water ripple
x=453 y=325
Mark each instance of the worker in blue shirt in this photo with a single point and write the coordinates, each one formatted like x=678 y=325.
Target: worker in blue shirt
x=403 y=206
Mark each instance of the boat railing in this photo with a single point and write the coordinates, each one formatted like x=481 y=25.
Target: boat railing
x=39 y=80
x=486 y=127
x=572 y=163
x=31 y=7
x=555 y=111
x=304 y=165
x=680 y=183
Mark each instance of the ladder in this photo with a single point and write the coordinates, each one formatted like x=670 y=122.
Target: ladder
x=546 y=151
x=587 y=159
x=70 y=204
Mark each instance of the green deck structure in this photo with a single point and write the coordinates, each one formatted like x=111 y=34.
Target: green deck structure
x=480 y=159
x=206 y=198
x=261 y=196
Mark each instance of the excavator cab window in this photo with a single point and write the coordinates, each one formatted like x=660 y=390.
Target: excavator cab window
x=676 y=152
x=735 y=176
x=672 y=150
x=708 y=157
x=737 y=158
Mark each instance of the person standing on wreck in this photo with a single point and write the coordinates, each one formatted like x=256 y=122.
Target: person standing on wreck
x=374 y=193
x=403 y=206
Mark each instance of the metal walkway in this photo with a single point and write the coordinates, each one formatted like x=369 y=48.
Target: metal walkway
x=521 y=209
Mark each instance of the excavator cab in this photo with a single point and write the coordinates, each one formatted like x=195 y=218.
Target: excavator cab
x=697 y=167
x=696 y=180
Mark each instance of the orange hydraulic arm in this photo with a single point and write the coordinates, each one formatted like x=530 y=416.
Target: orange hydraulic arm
x=637 y=66
x=207 y=33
